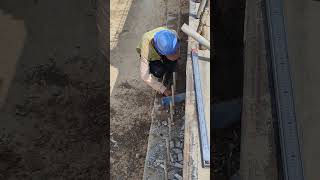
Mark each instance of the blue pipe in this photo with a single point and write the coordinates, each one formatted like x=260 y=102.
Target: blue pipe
x=226 y=113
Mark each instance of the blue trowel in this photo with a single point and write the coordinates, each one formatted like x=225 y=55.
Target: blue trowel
x=165 y=101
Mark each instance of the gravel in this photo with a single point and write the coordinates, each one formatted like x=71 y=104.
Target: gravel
x=178 y=165
x=178 y=176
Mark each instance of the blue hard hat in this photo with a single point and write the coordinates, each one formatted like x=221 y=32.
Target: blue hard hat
x=166 y=42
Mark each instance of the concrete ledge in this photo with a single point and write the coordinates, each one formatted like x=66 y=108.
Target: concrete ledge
x=192 y=169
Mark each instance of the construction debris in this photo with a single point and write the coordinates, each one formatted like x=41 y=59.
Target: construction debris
x=178 y=176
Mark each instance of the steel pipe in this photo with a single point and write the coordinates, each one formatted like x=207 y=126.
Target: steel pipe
x=190 y=32
x=201 y=8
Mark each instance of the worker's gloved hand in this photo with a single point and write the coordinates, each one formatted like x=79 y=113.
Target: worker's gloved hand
x=167 y=92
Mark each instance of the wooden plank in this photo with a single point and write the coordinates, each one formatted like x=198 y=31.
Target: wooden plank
x=192 y=167
x=258 y=150
x=191 y=139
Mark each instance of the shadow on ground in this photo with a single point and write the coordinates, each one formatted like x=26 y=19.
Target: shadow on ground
x=53 y=122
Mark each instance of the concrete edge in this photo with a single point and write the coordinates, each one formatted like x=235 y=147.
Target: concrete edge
x=192 y=169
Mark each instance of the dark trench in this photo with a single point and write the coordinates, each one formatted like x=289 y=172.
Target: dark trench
x=228 y=23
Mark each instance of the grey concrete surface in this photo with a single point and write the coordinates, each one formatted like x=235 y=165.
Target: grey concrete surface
x=303 y=27
x=258 y=149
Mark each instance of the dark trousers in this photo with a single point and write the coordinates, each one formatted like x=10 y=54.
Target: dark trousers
x=159 y=67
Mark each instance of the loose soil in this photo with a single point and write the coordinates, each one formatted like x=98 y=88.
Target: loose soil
x=54 y=116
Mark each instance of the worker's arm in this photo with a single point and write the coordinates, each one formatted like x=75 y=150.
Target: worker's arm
x=148 y=78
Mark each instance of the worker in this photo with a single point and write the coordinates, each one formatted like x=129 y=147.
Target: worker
x=159 y=52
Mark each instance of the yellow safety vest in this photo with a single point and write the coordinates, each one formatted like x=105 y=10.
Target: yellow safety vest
x=145 y=48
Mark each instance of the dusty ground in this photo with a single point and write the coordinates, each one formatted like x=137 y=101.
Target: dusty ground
x=118 y=14
x=131 y=100
x=53 y=120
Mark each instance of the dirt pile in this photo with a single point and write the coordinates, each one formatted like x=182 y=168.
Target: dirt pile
x=64 y=110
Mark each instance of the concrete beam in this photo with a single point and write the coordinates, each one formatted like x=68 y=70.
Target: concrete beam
x=258 y=150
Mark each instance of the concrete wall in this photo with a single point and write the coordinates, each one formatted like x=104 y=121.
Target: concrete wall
x=103 y=26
